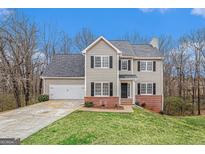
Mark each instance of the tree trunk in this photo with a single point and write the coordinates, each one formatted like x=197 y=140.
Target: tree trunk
x=16 y=93
x=40 y=86
x=199 y=100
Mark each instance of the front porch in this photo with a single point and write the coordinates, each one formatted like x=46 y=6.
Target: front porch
x=127 y=89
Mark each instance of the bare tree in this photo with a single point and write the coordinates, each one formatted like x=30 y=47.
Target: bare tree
x=135 y=38
x=197 y=43
x=84 y=38
x=20 y=39
x=66 y=43
x=8 y=65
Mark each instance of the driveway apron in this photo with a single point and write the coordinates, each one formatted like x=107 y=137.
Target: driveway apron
x=23 y=122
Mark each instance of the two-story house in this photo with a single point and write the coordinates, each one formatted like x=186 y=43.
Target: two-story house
x=109 y=73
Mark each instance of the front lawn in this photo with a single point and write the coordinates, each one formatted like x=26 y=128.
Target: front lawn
x=140 y=127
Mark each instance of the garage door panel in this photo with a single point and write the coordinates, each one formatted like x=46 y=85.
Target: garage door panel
x=66 y=91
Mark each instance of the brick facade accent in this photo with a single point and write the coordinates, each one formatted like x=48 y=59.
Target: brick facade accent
x=152 y=102
x=107 y=102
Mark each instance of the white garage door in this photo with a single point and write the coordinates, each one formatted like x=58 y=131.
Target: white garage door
x=66 y=91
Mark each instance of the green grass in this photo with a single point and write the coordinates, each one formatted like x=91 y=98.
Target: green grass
x=140 y=127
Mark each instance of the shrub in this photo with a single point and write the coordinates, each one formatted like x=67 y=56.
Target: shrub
x=43 y=98
x=161 y=112
x=137 y=103
x=88 y=104
x=175 y=105
x=143 y=104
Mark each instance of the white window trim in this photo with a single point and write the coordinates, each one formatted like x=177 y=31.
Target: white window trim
x=146 y=88
x=127 y=64
x=101 y=57
x=146 y=66
x=102 y=89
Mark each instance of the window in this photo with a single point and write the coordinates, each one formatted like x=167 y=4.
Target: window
x=97 y=61
x=97 y=89
x=149 y=88
x=101 y=61
x=146 y=66
x=143 y=88
x=143 y=66
x=128 y=90
x=105 y=89
x=124 y=64
x=101 y=89
x=146 y=88
x=105 y=62
x=149 y=66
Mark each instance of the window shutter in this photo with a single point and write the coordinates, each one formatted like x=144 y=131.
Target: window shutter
x=154 y=88
x=138 y=66
x=92 y=88
x=110 y=61
x=138 y=88
x=119 y=64
x=129 y=65
x=154 y=66
x=111 y=89
x=92 y=61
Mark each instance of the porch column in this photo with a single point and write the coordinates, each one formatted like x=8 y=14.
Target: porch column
x=133 y=90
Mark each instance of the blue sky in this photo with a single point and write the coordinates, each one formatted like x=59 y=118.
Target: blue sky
x=113 y=23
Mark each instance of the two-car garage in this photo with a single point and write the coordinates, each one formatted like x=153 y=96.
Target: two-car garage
x=66 y=91
x=64 y=88
x=64 y=77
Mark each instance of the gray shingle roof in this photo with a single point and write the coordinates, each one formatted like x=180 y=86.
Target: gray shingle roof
x=146 y=50
x=124 y=46
x=71 y=65
x=138 y=50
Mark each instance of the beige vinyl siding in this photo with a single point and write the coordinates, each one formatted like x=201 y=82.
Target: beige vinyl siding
x=101 y=74
x=61 y=81
x=155 y=77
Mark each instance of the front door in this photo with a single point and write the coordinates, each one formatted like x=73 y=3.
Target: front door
x=123 y=90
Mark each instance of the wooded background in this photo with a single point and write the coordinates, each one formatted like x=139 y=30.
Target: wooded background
x=26 y=50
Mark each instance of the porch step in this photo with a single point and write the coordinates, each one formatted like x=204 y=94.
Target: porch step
x=126 y=103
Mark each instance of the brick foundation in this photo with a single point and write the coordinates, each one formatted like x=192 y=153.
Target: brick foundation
x=152 y=102
x=107 y=102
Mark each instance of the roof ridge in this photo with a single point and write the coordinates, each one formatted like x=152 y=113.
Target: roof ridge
x=140 y=44
x=68 y=54
x=119 y=40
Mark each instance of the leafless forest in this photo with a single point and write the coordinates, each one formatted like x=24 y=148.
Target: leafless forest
x=26 y=49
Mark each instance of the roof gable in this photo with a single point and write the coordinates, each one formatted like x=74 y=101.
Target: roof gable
x=97 y=41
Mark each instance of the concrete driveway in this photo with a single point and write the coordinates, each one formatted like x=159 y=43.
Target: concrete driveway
x=23 y=122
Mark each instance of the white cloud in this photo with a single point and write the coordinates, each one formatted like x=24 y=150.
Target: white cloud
x=147 y=10
x=198 y=12
x=5 y=12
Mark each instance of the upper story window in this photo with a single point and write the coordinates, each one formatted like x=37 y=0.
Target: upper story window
x=124 y=64
x=101 y=62
x=146 y=66
x=97 y=61
x=105 y=62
